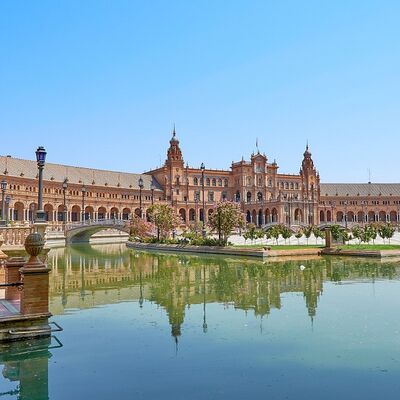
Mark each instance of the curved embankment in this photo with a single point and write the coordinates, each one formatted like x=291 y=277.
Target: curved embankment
x=228 y=251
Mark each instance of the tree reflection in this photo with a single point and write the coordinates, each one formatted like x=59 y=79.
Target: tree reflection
x=176 y=282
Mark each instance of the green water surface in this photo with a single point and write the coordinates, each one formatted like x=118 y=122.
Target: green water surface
x=160 y=326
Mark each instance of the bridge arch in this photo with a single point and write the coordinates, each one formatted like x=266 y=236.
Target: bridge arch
x=81 y=232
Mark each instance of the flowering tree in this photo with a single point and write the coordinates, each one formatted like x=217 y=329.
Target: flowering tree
x=163 y=216
x=226 y=217
x=139 y=228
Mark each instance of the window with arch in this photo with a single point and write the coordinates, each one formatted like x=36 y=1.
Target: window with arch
x=226 y=182
x=207 y=181
x=195 y=181
x=219 y=182
x=214 y=182
x=291 y=185
x=210 y=195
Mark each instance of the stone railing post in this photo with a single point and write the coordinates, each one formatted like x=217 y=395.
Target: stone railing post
x=35 y=275
x=12 y=275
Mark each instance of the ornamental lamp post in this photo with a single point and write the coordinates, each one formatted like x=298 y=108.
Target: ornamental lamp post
x=83 y=203
x=41 y=160
x=141 y=186
x=202 y=167
x=8 y=200
x=152 y=192
x=32 y=208
x=3 y=185
x=65 y=187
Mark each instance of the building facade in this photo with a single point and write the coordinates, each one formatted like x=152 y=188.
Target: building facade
x=265 y=194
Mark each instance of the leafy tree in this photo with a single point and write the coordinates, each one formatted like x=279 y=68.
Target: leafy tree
x=140 y=229
x=253 y=233
x=286 y=233
x=307 y=232
x=226 y=217
x=298 y=235
x=267 y=235
x=163 y=216
x=337 y=232
x=372 y=232
x=386 y=231
x=275 y=232
x=357 y=232
x=318 y=234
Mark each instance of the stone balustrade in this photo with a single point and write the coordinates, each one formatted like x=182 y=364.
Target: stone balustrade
x=15 y=236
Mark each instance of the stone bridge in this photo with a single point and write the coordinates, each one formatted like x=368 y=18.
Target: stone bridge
x=81 y=231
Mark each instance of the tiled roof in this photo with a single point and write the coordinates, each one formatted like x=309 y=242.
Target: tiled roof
x=360 y=189
x=16 y=167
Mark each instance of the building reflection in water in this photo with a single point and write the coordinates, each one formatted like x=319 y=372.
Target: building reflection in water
x=85 y=277
x=26 y=366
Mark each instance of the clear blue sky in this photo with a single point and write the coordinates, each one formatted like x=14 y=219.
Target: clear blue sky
x=100 y=83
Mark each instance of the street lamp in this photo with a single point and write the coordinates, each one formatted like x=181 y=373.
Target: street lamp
x=41 y=160
x=83 y=203
x=3 y=185
x=32 y=208
x=8 y=199
x=290 y=210
x=152 y=192
x=65 y=187
x=141 y=186
x=202 y=167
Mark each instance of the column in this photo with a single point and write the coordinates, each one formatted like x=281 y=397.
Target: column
x=12 y=214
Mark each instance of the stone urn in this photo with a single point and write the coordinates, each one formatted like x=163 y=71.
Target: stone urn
x=34 y=244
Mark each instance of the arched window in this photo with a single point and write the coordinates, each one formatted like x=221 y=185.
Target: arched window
x=219 y=182
x=214 y=182
x=226 y=182
x=248 y=196
x=195 y=181
x=207 y=181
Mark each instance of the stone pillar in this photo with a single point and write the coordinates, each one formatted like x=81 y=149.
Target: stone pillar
x=35 y=275
x=12 y=275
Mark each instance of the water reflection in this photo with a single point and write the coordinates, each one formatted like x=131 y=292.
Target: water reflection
x=25 y=368
x=85 y=277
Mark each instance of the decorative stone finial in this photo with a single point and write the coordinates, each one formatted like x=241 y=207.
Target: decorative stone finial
x=34 y=244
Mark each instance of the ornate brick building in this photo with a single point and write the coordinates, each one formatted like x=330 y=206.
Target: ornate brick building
x=266 y=195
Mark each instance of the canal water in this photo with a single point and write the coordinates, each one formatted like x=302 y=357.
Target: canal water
x=161 y=326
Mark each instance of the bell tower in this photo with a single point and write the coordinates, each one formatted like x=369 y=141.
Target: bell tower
x=310 y=186
x=174 y=166
x=174 y=154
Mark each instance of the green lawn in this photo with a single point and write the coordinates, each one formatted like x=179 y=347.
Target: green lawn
x=370 y=247
x=278 y=247
x=314 y=246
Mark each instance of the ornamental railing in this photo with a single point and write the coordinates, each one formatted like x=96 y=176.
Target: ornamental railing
x=14 y=236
